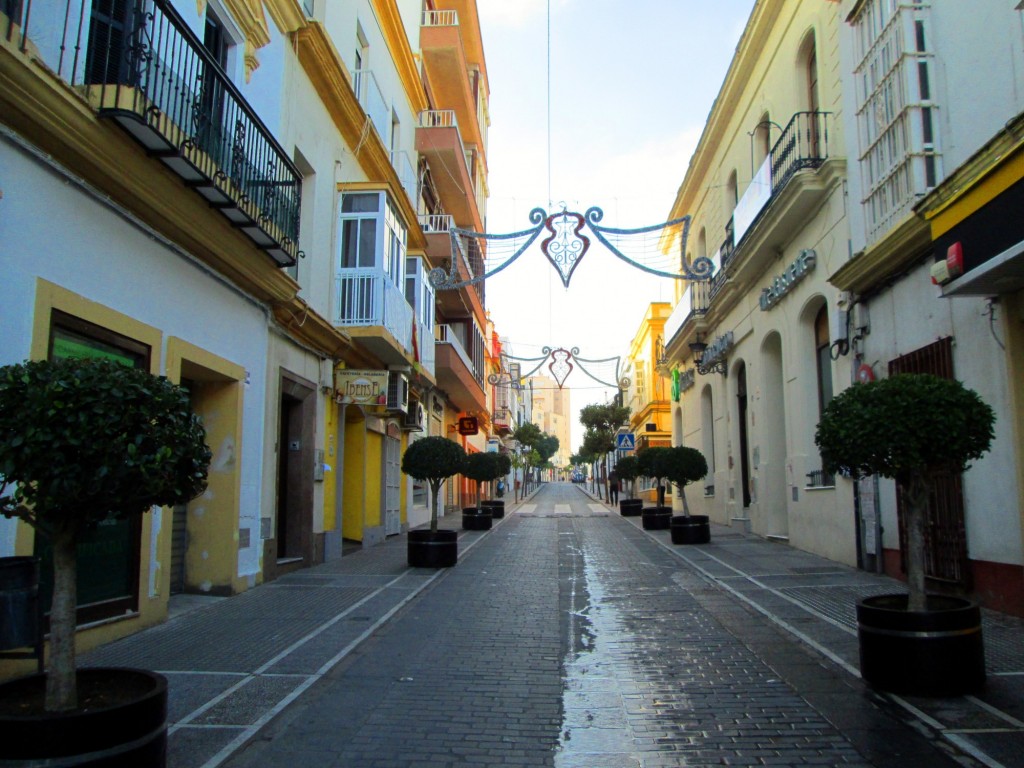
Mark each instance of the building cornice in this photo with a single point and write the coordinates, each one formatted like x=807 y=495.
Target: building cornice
x=398 y=44
x=288 y=15
x=902 y=246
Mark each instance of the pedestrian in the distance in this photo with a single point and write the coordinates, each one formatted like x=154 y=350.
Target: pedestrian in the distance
x=613 y=488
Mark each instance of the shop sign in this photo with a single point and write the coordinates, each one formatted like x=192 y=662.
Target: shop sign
x=468 y=425
x=361 y=387
x=687 y=379
x=717 y=349
x=785 y=282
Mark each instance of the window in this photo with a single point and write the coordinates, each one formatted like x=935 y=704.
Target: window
x=359 y=230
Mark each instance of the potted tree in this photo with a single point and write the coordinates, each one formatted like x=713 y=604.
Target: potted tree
x=652 y=463
x=83 y=440
x=481 y=467
x=433 y=459
x=497 y=504
x=628 y=471
x=903 y=427
x=683 y=465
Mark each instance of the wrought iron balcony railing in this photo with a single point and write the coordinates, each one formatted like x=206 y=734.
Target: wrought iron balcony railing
x=138 y=63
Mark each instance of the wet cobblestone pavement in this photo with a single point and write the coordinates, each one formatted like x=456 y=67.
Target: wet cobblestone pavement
x=565 y=637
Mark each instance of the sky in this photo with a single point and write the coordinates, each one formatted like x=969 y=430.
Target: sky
x=631 y=86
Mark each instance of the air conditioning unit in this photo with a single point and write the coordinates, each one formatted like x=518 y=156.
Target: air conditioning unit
x=650 y=427
x=414 y=419
x=398 y=392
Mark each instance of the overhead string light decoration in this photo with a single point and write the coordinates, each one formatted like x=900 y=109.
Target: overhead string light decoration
x=561 y=365
x=659 y=249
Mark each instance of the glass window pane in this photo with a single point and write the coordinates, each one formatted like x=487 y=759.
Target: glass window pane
x=360 y=203
x=349 y=244
x=367 y=242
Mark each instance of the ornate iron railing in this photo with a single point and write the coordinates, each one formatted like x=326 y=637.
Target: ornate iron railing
x=803 y=144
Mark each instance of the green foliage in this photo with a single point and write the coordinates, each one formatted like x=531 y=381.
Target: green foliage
x=504 y=464
x=651 y=462
x=433 y=459
x=527 y=435
x=481 y=467
x=604 y=418
x=904 y=424
x=597 y=443
x=84 y=439
x=628 y=468
x=681 y=465
x=547 y=447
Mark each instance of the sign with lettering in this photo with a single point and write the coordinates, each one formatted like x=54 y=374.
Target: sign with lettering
x=361 y=387
x=717 y=349
x=785 y=282
x=468 y=425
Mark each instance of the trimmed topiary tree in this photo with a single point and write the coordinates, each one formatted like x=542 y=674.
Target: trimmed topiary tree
x=651 y=463
x=628 y=471
x=682 y=465
x=504 y=465
x=900 y=428
x=83 y=440
x=483 y=468
x=433 y=459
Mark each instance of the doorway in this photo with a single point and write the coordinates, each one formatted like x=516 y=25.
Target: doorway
x=293 y=524
x=741 y=409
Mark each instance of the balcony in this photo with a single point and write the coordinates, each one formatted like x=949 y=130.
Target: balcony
x=376 y=313
x=456 y=373
x=460 y=302
x=447 y=68
x=149 y=73
x=501 y=422
x=438 y=140
x=790 y=186
x=682 y=323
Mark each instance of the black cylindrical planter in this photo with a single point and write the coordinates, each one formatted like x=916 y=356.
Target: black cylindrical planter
x=439 y=549
x=937 y=652
x=474 y=519
x=19 y=602
x=656 y=518
x=630 y=507
x=694 y=529
x=129 y=734
x=496 y=506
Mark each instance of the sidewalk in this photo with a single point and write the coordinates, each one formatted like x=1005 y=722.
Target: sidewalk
x=363 y=656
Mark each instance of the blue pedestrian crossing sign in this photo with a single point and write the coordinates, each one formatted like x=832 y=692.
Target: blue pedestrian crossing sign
x=625 y=441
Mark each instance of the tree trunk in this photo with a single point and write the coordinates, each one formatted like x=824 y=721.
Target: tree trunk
x=916 y=495
x=682 y=495
x=479 y=495
x=661 y=492
x=436 y=488
x=61 y=691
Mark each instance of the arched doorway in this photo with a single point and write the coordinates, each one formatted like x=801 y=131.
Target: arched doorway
x=773 y=458
x=744 y=436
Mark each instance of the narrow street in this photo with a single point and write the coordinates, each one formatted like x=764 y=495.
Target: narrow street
x=566 y=636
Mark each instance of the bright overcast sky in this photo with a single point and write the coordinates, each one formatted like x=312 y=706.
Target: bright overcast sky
x=631 y=86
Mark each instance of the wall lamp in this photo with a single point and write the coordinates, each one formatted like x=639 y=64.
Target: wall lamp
x=698 y=348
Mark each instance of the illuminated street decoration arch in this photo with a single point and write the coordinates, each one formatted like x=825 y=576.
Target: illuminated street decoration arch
x=561 y=365
x=484 y=255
